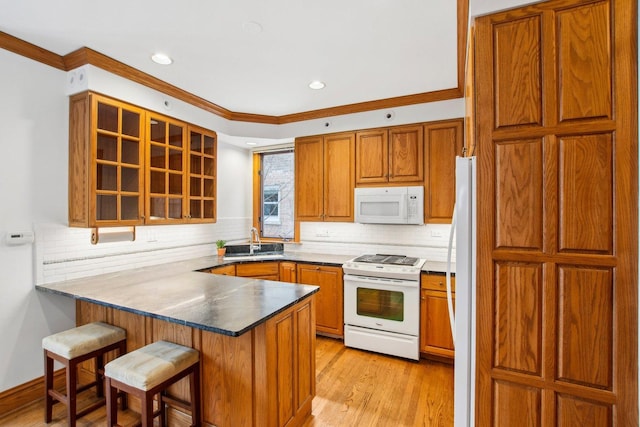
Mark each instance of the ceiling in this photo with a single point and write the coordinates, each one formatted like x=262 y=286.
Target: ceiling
x=258 y=56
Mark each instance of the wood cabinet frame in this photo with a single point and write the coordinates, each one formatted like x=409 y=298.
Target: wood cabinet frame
x=84 y=161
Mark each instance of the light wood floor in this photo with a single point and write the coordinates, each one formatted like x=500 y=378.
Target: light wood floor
x=354 y=388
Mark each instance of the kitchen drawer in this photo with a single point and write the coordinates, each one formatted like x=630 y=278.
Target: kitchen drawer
x=226 y=270
x=436 y=282
x=258 y=269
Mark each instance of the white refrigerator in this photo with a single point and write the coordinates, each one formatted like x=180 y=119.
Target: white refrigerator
x=463 y=322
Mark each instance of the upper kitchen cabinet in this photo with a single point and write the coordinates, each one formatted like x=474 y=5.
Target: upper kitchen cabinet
x=324 y=177
x=443 y=141
x=166 y=170
x=390 y=156
x=202 y=175
x=129 y=166
x=106 y=152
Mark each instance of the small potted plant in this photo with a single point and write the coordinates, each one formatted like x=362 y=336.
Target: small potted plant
x=221 y=249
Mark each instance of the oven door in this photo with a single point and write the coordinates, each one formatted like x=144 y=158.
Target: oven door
x=384 y=304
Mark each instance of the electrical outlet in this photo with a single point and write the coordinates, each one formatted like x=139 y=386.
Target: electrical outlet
x=436 y=233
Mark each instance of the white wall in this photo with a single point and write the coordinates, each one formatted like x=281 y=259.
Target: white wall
x=33 y=119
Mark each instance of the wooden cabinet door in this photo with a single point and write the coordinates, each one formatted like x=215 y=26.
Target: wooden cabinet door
x=201 y=184
x=557 y=299
x=225 y=270
x=259 y=270
x=288 y=272
x=372 y=157
x=309 y=176
x=406 y=154
x=339 y=178
x=443 y=141
x=329 y=305
x=106 y=158
x=435 y=331
x=167 y=154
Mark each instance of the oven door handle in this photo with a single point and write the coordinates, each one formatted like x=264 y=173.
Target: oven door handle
x=379 y=280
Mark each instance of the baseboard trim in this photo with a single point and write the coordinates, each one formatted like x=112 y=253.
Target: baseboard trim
x=28 y=393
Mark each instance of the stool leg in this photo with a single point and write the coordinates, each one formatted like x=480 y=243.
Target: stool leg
x=48 y=385
x=147 y=410
x=162 y=408
x=72 y=383
x=194 y=385
x=99 y=375
x=122 y=349
x=112 y=404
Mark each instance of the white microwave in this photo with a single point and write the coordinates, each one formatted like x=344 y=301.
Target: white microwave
x=389 y=205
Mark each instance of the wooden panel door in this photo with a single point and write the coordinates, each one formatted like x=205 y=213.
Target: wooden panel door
x=329 y=306
x=435 y=329
x=309 y=169
x=406 y=154
x=288 y=272
x=290 y=377
x=443 y=142
x=557 y=215
x=372 y=157
x=339 y=177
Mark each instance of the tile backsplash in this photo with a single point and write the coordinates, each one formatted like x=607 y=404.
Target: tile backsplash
x=425 y=241
x=64 y=253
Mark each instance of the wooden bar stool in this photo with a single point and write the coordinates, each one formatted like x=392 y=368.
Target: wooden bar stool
x=71 y=348
x=151 y=370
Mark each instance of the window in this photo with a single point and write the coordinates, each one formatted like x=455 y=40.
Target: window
x=275 y=178
x=271 y=204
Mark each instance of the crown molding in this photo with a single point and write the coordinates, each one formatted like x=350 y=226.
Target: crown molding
x=31 y=51
x=86 y=56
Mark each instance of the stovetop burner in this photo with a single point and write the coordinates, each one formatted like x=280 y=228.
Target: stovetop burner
x=387 y=259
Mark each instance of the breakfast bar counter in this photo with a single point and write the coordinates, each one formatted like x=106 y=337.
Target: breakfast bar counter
x=256 y=337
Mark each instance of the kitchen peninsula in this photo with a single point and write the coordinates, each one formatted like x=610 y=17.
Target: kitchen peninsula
x=256 y=337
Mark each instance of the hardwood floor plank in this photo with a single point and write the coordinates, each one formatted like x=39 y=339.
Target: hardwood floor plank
x=353 y=388
x=360 y=388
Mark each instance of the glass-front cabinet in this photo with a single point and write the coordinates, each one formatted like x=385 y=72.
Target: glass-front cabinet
x=166 y=169
x=130 y=166
x=119 y=152
x=202 y=175
x=106 y=152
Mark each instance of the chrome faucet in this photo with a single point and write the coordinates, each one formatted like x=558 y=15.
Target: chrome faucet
x=254 y=232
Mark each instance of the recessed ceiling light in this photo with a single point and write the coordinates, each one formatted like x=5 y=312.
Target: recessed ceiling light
x=161 y=58
x=252 y=143
x=316 y=84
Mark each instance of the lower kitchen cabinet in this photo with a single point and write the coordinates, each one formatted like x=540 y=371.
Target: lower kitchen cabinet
x=225 y=270
x=329 y=299
x=288 y=272
x=259 y=270
x=435 y=331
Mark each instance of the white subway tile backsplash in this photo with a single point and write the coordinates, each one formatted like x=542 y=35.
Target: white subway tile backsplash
x=64 y=253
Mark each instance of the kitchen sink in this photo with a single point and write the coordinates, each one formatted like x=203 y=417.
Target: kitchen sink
x=262 y=251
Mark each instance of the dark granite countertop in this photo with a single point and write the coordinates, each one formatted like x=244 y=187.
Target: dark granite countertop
x=178 y=292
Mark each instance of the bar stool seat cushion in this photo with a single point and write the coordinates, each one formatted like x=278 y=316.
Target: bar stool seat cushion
x=83 y=339
x=151 y=365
